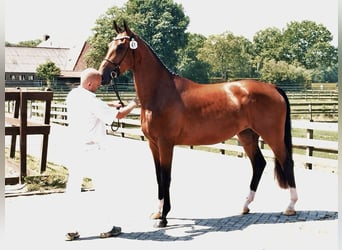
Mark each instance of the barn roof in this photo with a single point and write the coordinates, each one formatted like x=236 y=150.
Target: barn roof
x=27 y=59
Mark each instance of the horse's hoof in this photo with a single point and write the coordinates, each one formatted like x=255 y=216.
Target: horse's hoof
x=245 y=210
x=156 y=216
x=289 y=212
x=161 y=223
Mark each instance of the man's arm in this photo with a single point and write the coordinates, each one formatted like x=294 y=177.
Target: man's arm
x=123 y=112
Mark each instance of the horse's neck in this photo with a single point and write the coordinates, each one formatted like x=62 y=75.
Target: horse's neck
x=150 y=76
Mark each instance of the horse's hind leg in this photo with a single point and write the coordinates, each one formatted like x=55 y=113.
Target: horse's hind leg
x=284 y=171
x=249 y=140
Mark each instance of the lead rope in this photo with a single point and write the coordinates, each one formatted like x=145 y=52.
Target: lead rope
x=114 y=127
x=132 y=45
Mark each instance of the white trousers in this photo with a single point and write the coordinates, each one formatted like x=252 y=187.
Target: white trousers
x=95 y=207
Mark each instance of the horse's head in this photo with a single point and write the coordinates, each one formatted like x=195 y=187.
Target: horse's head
x=119 y=55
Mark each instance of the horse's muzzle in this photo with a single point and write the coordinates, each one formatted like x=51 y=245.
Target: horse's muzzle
x=108 y=75
x=106 y=79
x=115 y=72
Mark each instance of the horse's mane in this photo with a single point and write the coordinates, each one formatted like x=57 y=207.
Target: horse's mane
x=158 y=58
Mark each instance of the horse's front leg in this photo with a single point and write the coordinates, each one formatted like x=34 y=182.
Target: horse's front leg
x=158 y=214
x=155 y=153
x=165 y=201
x=163 y=174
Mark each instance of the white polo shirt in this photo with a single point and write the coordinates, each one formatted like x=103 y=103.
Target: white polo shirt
x=87 y=116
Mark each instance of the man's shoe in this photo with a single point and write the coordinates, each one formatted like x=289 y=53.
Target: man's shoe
x=112 y=233
x=72 y=236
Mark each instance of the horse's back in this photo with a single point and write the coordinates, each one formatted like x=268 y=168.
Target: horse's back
x=255 y=87
x=210 y=113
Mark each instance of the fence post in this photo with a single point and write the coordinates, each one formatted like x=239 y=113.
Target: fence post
x=310 y=111
x=261 y=143
x=222 y=150
x=309 y=149
x=239 y=144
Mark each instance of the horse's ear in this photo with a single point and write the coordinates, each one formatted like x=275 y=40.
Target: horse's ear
x=117 y=28
x=126 y=27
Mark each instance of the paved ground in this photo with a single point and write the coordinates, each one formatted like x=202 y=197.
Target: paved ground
x=207 y=193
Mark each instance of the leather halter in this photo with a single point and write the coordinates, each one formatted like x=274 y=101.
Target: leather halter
x=114 y=75
x=116 y=70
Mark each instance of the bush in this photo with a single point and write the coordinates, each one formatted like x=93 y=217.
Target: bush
x=282 y=72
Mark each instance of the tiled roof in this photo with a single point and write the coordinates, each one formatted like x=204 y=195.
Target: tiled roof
x=27 y=59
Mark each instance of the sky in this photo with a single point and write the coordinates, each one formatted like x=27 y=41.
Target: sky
x=70 y=21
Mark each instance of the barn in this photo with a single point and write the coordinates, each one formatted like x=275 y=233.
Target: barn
x=21 y=64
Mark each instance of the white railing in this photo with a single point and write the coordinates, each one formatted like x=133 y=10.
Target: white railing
x=305 y=149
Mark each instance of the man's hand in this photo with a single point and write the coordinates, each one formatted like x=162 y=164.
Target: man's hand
x=115 y=104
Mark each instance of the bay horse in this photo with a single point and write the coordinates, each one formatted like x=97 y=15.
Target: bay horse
x=178 y=111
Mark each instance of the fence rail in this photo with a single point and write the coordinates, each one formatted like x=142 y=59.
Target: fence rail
x=309 y=105
x=309 y=110
x=130 y=127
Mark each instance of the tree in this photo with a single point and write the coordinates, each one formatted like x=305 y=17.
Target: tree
x=161 y=23
x=281 y=72
x=103 y=33
x=267 y=45
x=229 y=56
x=325 y=74
x=304 y=44
x=189 y=65
x=28 y=43
x=48 y=71
x=309 y=44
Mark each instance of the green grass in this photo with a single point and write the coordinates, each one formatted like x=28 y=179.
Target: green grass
x=319 y=135
x=54 y=178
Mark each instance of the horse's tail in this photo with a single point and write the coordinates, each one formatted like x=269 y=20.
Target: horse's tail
x=284 y=171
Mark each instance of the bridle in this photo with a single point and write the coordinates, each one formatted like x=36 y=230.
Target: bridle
x=132 y=45
x=116 y=72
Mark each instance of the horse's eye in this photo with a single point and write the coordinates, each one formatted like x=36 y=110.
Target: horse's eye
x=120 y=47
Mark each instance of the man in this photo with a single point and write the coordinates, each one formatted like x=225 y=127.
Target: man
x=90 y=154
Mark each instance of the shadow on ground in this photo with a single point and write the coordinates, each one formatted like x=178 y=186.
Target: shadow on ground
x=188 y=229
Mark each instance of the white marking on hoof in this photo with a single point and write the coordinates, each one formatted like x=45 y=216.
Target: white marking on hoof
x=249 y=199
x=156 y=216
x=294 y=196
x=291 y=207
x=289 y=212
x=245 y=210
x=160 y=205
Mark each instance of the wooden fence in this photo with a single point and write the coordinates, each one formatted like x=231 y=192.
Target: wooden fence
x=307 y=147
x=308 y=150
x=18 y=123
x=304 y=105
